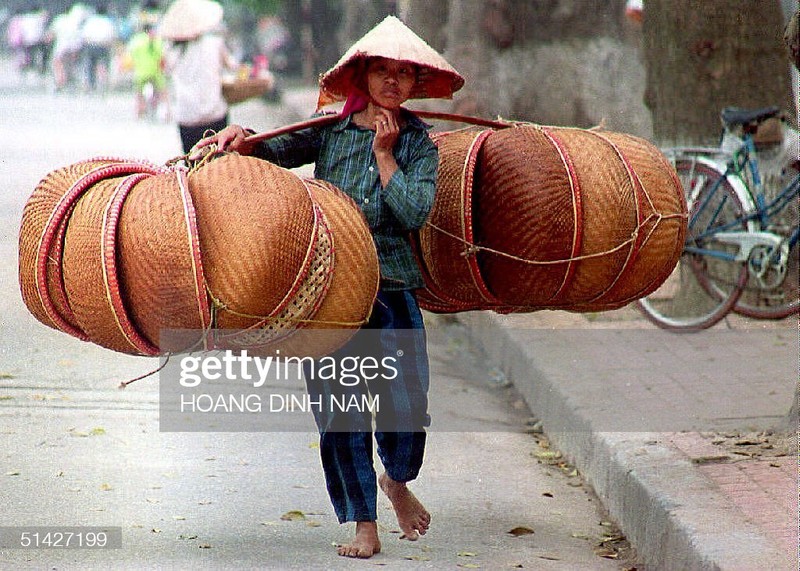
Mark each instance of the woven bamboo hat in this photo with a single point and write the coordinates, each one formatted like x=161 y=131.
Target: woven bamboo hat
x=187 y=19
x=391 y=39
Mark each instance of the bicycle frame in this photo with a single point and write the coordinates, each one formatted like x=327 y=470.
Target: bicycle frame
x=757 y=211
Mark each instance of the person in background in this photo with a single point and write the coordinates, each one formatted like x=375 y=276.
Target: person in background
x=67 y=43
x=380 y=154
x=146 y=52
x=99 y=34
x=196 y=61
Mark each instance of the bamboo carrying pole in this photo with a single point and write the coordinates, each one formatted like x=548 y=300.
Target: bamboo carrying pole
x=334 y=117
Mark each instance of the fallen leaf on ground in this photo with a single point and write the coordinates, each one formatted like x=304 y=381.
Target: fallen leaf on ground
x=547 y=455
x=606 y=553
x=293 y=515
x=520 y=530
x=466 y=554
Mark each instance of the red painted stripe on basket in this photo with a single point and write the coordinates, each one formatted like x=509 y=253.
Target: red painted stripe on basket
x=57 y=253
x=467 y=182
x=577 y=212
x=111 y=217
x=57 y=218
x=190 y=217
x=639 y=197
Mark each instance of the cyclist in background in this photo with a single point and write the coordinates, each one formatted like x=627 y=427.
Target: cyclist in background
x=146 y=51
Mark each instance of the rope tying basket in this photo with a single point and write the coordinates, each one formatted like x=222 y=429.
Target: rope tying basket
x=533 y=217
x=115 y=252
x=526 y=217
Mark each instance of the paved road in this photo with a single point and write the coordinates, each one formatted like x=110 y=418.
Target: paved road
x=76 y=451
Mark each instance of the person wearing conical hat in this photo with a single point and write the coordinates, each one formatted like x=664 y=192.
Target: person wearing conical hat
x=380 y=154
x=196 y=61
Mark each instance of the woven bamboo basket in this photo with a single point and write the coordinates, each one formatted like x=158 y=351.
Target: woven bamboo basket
x=114 y=252
x=350 y=291
x=549 y=217
x=240 y=90
x=44 y=222
x=458 y=282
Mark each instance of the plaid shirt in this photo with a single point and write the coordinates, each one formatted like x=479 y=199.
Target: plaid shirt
x=343 y=156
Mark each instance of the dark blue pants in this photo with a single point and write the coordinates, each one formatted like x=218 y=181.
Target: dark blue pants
x=395 y=332
x=190 y=135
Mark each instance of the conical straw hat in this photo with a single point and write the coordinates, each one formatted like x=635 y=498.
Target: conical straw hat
x=187 y=19
x=391 y=39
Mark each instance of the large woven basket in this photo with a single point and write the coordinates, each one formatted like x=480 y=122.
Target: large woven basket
x=115 y=252
x=533 y=217
x=239 y=90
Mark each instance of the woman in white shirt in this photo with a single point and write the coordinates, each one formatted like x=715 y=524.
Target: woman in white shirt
x=196 y=61
x=196 y=68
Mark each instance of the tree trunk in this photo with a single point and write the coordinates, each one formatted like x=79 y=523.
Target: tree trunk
x=792 y=421
x=429 y=21
x=360 y=16
x=557 y=62
x=703 y=56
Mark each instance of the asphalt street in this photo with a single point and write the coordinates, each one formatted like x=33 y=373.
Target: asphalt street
x=77 y=451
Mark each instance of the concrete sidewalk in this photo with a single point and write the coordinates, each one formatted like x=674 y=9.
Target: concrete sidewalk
x=672 y=431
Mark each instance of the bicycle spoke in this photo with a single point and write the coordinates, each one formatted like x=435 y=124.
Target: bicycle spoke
x=707 y=281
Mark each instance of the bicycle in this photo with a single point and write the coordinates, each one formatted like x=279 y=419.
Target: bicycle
x=741 y=247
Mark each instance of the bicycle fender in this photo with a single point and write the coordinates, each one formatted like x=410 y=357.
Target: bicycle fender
x=739 y=186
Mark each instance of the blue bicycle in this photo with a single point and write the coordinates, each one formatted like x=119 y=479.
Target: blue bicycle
x=741 y=249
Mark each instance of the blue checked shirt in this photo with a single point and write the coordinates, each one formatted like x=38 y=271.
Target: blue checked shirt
x=343 y=156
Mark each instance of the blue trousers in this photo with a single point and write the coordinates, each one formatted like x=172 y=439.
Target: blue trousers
x=395 y=337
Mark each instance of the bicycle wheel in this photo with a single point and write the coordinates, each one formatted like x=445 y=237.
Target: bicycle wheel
x=706 y=283
x=772 y=289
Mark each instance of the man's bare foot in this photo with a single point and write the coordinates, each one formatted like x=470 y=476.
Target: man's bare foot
x=412 y=516
x=365 y=544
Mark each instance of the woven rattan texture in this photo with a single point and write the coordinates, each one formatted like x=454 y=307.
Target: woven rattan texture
x=256 y=226
x=36 y=223
x=157 y=253
x=114 y=252
x=560 y=218
x=88 y=291
x=449 y=228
